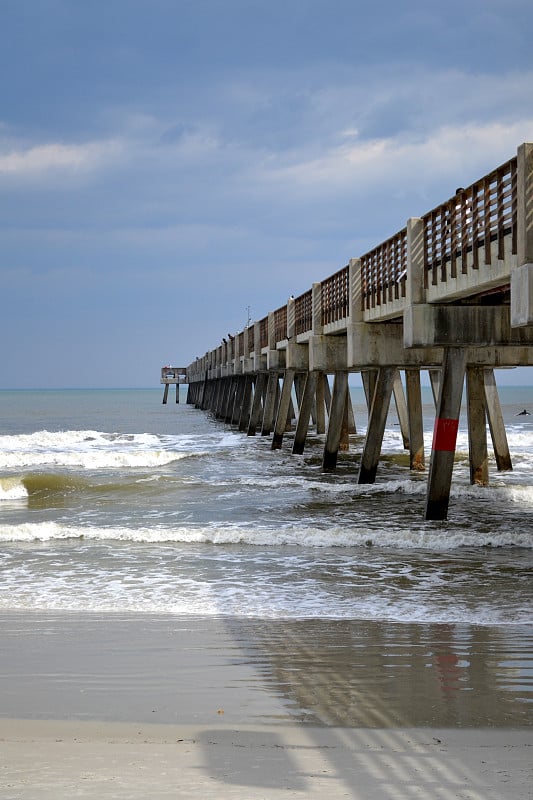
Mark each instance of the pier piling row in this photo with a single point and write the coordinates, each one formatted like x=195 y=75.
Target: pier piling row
x=452 y=293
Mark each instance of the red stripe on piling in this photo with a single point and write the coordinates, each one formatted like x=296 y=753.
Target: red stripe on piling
x=445 y=434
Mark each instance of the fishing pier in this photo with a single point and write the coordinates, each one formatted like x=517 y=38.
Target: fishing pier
x=171 y=376
x=451 y=293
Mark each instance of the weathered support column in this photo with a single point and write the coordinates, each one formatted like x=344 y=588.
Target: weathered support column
x=327 y=393
x=349 y=408
x=336 y=416
x=209 y=395
x=369 y=377
x=222 y=388
x=223 y=397
x=299 y=386
x=376 y=424
x=229 y=396
x=257 y=405
x=321 y=402
x=445 y=433
x=306 y=405
x=232 y=397
x=270 y=403
x=401 y=408
x=434 y=379
x=165 y=394
x=214 y=393
x=177 y=392
x=204 y=397
x=284 y=409
x=496 y=424
x=344 y=443
x=236 y=399
x=416 y=425
x=477 y=427
x=291 y=414
x=204 y=389
x=244 y=419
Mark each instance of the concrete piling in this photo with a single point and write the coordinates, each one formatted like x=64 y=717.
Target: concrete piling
x=477 y=426
x=496 y=423
x=415 y=420
x=384 y=385
x=306 y=405
x=284 y=409
x=336 y=418
x=445 y=433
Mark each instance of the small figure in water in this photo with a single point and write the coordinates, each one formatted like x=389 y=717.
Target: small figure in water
x=524 y=413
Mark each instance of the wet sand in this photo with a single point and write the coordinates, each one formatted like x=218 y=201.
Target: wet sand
x=140 y=706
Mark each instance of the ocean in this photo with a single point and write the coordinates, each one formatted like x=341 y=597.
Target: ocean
x=113 y=503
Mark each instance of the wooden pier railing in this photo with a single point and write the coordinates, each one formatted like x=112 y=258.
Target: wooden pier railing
x=460 y=232
x=384 y=271
x=303 y=308
x=336 y=297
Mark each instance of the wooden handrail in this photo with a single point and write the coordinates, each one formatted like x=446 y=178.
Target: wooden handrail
x=336 y=296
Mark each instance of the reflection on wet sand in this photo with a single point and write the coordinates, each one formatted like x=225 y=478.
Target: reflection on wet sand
x=376 y=675
x=241 y=670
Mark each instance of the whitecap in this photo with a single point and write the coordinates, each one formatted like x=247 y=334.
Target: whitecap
x=12 y=488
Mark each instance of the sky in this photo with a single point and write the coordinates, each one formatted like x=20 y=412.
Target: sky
x=171 y=168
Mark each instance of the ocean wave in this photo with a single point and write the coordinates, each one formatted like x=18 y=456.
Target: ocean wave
x=59 y=439
x=344 y=536
x=263 y=606
x=90 y=459
x=87 y=449
x=91 y=449
x=26 y=486
x=127 y=586
x=12 y=488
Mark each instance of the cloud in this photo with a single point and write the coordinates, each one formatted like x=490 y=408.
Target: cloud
x=54 y=156
x=373 y=164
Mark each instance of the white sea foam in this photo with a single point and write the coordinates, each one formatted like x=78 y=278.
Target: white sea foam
x=88 y=459
x=124 y=586
x=12 y=488
x=294 y=535
x=87 y=449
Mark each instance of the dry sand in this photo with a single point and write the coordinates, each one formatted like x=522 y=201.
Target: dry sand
x=51 y=760
x=96 y=706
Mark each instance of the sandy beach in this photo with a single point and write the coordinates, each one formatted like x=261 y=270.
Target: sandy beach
x=133 y=706
x=51 y=760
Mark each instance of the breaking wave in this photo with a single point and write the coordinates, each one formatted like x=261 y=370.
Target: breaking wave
x=256 y=535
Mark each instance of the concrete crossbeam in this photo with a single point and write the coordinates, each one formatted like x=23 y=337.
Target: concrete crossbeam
x=476 y=326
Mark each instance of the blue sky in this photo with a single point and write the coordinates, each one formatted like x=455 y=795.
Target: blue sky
x=166 y=164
